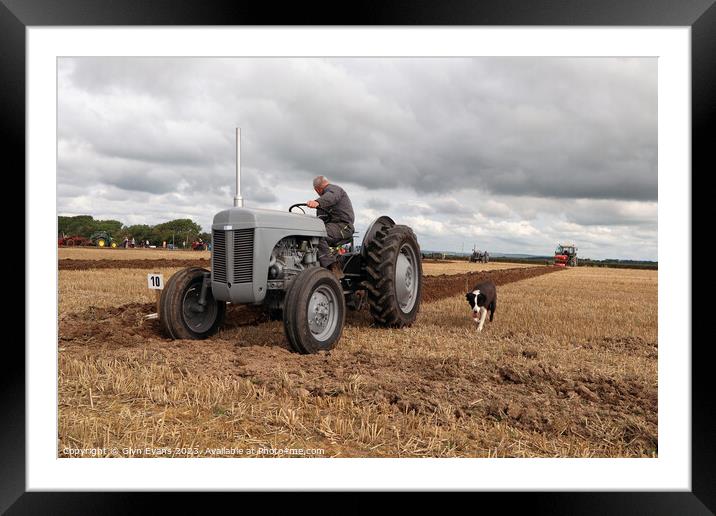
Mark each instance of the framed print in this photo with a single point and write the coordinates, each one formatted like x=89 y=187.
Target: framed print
x=202 y=328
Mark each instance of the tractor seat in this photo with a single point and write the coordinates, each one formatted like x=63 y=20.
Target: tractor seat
x=345 y=241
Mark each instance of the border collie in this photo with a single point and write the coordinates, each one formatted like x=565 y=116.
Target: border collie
x=482 y=298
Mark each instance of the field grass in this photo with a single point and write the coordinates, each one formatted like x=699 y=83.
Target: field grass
x=80 y=290
x=567 y=369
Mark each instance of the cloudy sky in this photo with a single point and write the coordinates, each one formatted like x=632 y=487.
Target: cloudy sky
x=507 y=154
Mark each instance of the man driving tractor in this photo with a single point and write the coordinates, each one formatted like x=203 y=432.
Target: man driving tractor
x=335 y=209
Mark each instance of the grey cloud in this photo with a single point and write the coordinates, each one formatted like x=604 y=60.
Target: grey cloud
x=378 y=204
x=451 y=206
x=417 y=207
x=493 y=208
x=143 y=182
x=610 y=213
x=547 y=127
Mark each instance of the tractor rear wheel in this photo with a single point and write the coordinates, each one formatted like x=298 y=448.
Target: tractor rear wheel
x=394 y=276
x=314 y=311
x=180 y=314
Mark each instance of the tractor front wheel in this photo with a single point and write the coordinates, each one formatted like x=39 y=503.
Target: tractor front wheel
x=180 y=313
x=314 y=311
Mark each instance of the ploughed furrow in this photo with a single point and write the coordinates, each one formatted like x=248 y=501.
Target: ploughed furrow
x=69 y=264
x=447 y=285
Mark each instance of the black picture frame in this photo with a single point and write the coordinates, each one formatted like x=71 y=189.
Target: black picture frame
x=17 y=15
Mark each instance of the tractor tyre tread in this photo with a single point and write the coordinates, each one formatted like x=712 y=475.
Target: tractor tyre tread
x=171 y=310
x=380 y=283
x=295 y=311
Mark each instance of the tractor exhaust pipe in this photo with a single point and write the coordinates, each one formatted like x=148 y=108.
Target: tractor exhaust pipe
x=238 y=200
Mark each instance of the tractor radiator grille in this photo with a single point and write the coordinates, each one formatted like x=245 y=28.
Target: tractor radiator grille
x=243 y=255
x=218 y=256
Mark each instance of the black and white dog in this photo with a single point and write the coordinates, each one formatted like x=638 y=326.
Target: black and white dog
x=482 y=298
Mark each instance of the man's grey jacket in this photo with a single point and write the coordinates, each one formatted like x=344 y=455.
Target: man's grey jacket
x=334 y=205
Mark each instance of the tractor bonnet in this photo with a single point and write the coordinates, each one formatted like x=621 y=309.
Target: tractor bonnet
x=242 y=218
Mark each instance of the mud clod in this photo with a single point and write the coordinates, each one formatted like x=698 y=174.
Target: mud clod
x=584 y=391
x=508 y=374
x=302 y=393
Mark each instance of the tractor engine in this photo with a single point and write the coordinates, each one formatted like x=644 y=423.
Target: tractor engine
x=289 y=257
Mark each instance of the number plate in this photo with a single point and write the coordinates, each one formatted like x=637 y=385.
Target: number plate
x=155 y=281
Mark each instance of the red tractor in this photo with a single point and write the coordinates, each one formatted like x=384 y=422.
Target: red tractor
x=199 y=245
x=565 y=255
x=72 y=241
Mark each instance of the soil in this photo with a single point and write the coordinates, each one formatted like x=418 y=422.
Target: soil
x=446 y=285
x=519 y=389
x=128 y=320
x=68 y=264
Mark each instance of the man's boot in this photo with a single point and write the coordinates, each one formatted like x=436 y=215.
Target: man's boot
x=335 y=268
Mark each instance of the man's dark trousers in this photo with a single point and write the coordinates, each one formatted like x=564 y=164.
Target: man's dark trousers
x=337 y=231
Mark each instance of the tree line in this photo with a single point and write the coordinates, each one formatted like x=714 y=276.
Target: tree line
x=178 y=230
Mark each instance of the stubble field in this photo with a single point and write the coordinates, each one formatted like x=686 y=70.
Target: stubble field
x=568 y=368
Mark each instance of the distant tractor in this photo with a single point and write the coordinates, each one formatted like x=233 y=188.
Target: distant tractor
x=73 y=241
x=565 y=255
x=479 y=256
x=199 y=245
x=102 y=239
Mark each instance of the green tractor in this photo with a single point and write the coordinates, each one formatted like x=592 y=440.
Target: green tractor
x=102 y=239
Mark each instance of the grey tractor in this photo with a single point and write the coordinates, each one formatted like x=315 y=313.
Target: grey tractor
x=269 y=258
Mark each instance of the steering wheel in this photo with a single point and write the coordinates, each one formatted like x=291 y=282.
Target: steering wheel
x=299 y=207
